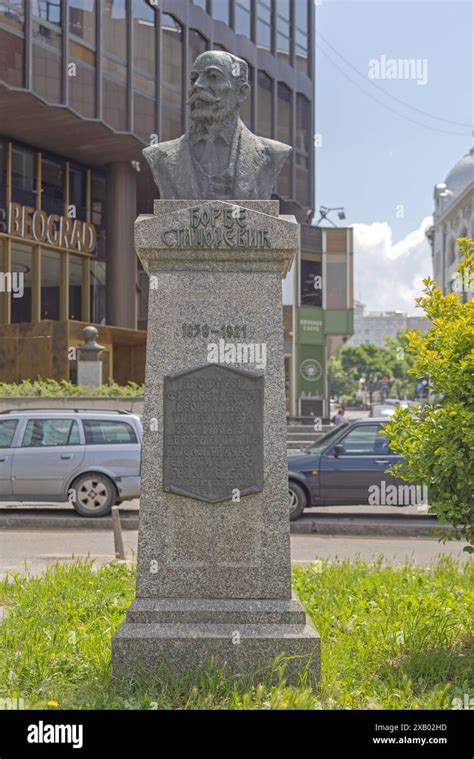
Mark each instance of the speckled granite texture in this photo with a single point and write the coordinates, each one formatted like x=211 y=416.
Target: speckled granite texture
x=209 y=570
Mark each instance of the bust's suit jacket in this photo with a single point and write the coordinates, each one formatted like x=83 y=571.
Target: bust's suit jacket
x=258 y=163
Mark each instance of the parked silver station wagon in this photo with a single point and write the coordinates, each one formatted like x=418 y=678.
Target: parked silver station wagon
x=89 y=458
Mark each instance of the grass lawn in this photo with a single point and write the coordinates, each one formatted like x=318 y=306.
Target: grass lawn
x=395 y=638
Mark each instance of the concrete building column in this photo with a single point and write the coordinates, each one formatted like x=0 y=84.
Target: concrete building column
x=121 y=258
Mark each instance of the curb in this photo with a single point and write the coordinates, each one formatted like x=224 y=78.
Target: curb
x=359 y=524
x=365 y=525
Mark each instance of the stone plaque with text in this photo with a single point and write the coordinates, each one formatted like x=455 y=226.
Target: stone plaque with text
x=213 y=433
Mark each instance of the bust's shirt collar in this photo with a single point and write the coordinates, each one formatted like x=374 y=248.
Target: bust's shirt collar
x=226 y=135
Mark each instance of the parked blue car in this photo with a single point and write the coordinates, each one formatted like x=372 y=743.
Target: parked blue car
x=342 y=467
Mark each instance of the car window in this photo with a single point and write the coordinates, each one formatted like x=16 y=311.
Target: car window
x=322 y=443
x=48 y=432
x=365 y=440
x=7 y=431
x=98 y=431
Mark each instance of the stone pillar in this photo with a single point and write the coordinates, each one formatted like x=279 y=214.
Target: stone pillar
x=121 y=260
x=214 y=549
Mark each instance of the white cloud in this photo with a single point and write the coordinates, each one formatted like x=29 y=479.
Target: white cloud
x=389 y=277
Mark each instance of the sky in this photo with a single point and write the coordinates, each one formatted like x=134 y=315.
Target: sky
x=385 y=142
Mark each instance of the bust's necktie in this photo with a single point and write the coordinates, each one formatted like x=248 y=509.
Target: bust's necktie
x=211 y=154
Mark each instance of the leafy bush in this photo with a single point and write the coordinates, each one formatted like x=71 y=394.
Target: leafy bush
x=63 y=388
x=437 y=440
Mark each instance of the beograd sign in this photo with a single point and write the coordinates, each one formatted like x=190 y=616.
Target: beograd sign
x=30 y=224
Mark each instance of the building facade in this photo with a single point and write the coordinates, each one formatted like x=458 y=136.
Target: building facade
x=84 y=86
x=376 y=327
x=320 y=319
x=453 y=218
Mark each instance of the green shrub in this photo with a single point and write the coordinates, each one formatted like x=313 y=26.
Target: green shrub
x=49 y=388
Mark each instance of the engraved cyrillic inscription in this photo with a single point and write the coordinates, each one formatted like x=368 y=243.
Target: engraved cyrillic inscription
x=213 y=433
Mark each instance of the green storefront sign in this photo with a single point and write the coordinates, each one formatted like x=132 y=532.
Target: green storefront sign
x=311 y=371
x=310 y=326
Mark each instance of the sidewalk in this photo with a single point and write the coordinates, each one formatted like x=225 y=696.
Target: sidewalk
x=34 y=550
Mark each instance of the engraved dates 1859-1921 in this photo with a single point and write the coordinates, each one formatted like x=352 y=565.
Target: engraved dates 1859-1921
x=213 y=433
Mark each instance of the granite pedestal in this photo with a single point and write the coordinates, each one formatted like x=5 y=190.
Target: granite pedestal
x=214 y=568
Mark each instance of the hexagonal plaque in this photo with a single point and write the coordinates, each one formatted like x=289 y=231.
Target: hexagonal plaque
x=213 y=433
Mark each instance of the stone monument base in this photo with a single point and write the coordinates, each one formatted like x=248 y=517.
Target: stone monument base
x=214 y=562
x=244 y=636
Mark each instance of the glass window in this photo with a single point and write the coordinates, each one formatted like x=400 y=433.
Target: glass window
x=365 y=441
x=7 y=432
x=82 y=87
x=114 y=63
x=322 y=443
x=202 y=4
x=50 y=284
x=284 y=135
x=246 y=109
x=47 y=49
x=265 y=105
x=171 y=77
x=52 y=185
x=243 y=18
x=82 y=20
x=47 y=10
x=47 y=70
x=144 y=37
x=220 y=10
x=12 y=13
x=115 y=93
x=98 y=218
x=75 y=287
x=11 y=45
x=100 y=432
x=115 y=27
x=283 y=29
x=303 y=137
x=197 y=45
x=50 y=432
x=311 y=295
x=336 y=280
x=144 y=117
x=77 y=191
x=23 y=176
x=303 y=124
x=301 y=35
x=22 y=282
x=3 y=176
x=264 y=24
x=11 y=57
x=144 y=85
x=98 y=294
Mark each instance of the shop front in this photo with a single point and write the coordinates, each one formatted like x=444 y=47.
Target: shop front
x=53 y=268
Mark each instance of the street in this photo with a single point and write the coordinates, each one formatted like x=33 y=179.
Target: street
x=33 y=551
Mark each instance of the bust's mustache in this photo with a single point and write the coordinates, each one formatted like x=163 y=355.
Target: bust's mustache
x=205 y=97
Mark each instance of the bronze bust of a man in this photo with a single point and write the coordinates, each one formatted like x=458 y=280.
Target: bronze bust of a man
x=218 y=158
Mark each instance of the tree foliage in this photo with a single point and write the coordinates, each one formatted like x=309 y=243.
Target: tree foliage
x=437 y=440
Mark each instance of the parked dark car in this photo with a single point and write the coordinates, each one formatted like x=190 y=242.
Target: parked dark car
x=341 y=466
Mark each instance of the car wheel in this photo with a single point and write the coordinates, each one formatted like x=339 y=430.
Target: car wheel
x=95 y=495
x=297 y=498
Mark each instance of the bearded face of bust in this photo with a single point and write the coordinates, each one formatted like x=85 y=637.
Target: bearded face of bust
x=218 y=156
x=218 y=87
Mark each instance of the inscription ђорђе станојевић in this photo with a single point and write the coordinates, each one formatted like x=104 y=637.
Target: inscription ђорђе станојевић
x=214 y=227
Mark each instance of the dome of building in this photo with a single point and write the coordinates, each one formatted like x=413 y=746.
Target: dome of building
x=461 y=175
